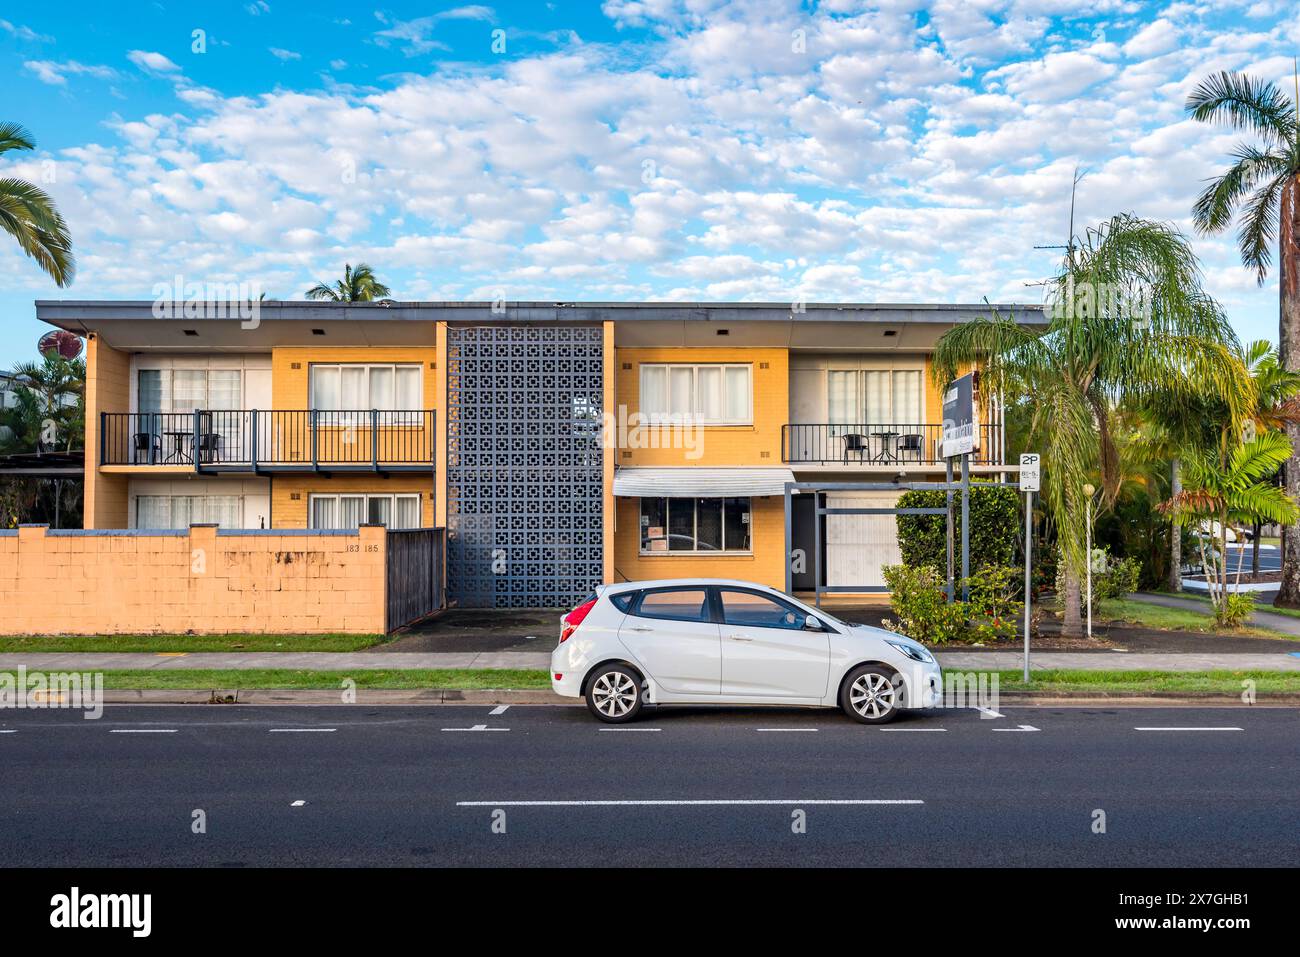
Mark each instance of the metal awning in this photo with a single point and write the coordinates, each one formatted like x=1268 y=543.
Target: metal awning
x=700 y=482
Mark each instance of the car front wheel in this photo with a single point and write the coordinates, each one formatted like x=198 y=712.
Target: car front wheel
x=870 y=695
x=614 y=694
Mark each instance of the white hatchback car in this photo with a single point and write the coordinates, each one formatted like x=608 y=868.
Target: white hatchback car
x=716 y=641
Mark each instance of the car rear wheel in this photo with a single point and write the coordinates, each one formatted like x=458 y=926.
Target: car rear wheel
x=614 y=694
x=870 y=695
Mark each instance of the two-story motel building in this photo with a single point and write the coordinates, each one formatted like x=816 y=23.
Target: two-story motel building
x=559 y=444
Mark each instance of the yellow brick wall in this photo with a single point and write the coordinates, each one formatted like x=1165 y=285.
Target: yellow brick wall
x=288 y=512
x=108 y=389
x=765 y=565
x=202 y=582
x=756 y=444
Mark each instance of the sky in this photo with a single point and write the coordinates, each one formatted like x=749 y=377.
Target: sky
x=707 y=150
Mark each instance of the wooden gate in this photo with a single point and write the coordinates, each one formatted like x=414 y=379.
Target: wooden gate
x=414 y=575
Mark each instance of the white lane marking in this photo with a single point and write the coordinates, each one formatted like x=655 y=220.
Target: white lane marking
x=499 y=709
x=911 y=729
x=477 y=727
x=8 y=732
x=629 y=729
x=1023 y=727
x=141 y=730
x=297 y=804
x=648 y=803
x=297 y=730
x=990 y=712
x=787 y=729
x=1187 y=729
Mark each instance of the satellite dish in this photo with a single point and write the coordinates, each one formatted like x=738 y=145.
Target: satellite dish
x=61 y=343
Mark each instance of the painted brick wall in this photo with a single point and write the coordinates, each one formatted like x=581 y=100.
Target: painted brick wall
x=108 y=389
x=200 y=582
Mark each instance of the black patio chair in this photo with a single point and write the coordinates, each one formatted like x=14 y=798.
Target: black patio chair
x=209 y=446
x=856 y=442
x=910 y=444
x=148 y=443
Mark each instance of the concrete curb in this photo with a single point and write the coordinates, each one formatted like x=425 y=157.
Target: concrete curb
x=281 y=696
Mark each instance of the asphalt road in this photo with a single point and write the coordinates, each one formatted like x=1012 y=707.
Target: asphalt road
x=385 y=785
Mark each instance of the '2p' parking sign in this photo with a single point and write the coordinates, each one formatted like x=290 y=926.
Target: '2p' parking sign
x=1029 y=472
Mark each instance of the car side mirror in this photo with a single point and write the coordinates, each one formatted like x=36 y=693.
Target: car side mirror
x=812 y=623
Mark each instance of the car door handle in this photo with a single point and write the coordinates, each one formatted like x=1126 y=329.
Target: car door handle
x=640 y=629
x=740 y=638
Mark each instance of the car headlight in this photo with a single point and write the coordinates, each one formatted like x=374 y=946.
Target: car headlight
x=915 y=652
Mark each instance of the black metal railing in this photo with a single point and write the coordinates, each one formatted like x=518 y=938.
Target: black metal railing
x=880 y=444
x=257 y=439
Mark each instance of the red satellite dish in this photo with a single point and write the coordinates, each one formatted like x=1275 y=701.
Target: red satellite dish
x=60 y=342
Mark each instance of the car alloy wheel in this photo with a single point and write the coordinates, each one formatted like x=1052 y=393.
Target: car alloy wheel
x=870 y=695
x=614 y=695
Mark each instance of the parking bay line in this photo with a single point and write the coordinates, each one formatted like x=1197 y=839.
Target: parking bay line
x=141 y=730
x=911 y=729
x=1186 y=729
x=298 y=730
x=477 y=727
x=787 y=729
x=629 y=729
x=723 y=802
x=499 y=709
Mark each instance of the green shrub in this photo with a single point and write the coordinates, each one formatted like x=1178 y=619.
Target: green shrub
x=993 y=610
x=1235 y=609
x=918 y=597
x=995 y=527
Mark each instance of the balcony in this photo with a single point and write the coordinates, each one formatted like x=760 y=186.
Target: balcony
x=262 y=440
x=877 y=445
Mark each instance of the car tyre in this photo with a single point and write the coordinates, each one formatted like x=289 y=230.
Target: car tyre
x=614 y=694
x=871 y=695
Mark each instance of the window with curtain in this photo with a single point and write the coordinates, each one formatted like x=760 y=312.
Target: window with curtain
x=182 y=511
x=350 y=511
x=184 y=390
x=870 y=397
x=714 y=394
x=356 y=386
x=693 y=525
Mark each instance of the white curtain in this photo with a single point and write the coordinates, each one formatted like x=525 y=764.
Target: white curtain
x=709 y=401
x=738 y=394
x=681 y=399
x=907 y=397
x=189 y=389
x=408 y=512
x=325 y=387
x=381 y=389
x=654 y=390
x=153 y=511
x=875 y=395
x=842 y=397
x=352 y=511
x=408 y=389
x=380 y=508
x=324 y=511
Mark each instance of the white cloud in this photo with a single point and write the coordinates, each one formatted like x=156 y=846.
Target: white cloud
x=56 y=74
x=152 y=62
x=414 y=37
x=284 y=56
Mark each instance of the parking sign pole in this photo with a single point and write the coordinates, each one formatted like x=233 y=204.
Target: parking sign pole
x=1029 y=485
x=1029 y=517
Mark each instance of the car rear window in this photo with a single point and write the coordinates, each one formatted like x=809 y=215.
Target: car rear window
x=623 y=600
x=678 y=604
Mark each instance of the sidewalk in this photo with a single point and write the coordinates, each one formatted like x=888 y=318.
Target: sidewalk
x=1263 y=618
x=364 y=661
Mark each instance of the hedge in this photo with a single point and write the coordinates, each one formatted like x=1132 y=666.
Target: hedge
x=995 y=526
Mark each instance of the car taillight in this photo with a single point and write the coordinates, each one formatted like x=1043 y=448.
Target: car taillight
x=571 y=621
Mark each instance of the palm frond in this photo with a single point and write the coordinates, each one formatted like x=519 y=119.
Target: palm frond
x=1258 y=230
x=1244 y=102
x=13 y=136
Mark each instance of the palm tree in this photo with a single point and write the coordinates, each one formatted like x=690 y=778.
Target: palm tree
x=1127 y=320
x=1229 y=486
x=28 y=215
x=1264 y=183
x=357 y=285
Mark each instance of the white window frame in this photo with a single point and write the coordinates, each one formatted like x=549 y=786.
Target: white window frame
x=368 y=367
x=695 y=529
x=391 y=496
x=167 y=375
x=692 y=416
x=860 y=375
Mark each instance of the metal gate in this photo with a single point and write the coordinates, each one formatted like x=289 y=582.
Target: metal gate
x=413 y=573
